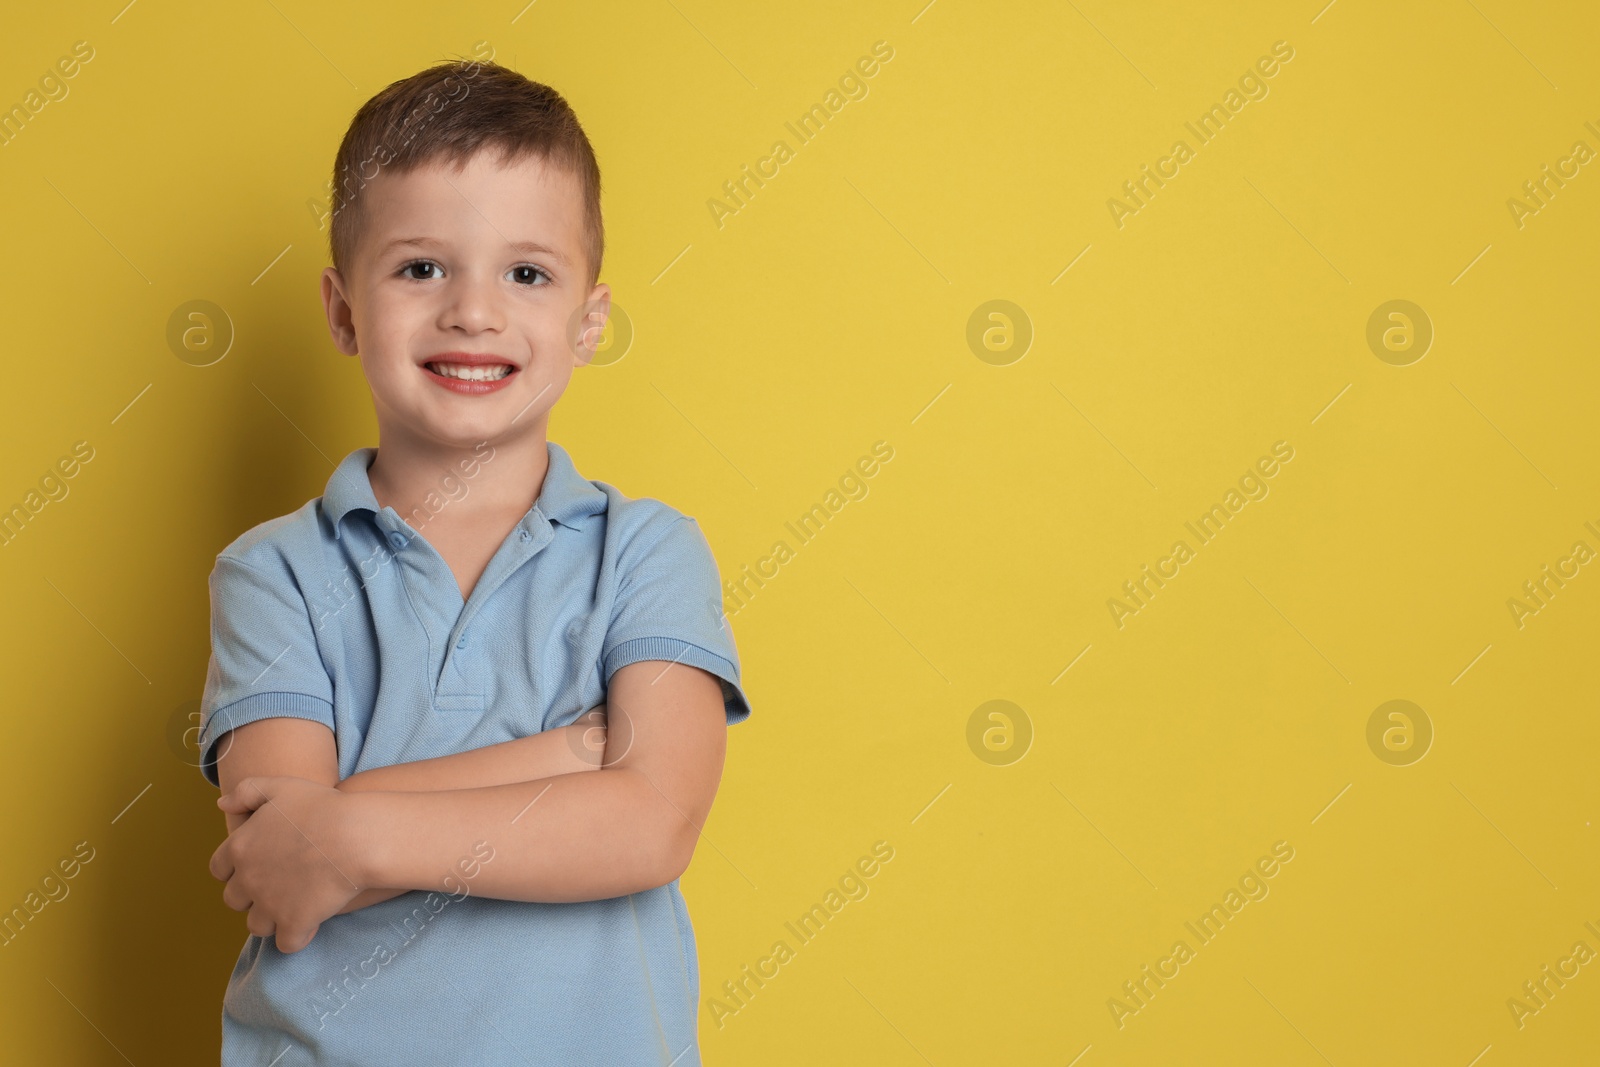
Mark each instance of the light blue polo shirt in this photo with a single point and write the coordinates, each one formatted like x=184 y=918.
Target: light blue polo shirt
x=342 y=613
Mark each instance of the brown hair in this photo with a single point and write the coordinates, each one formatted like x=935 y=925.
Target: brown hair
x=450 y=112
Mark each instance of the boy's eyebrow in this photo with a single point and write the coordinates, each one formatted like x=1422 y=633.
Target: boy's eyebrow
x=433 y=242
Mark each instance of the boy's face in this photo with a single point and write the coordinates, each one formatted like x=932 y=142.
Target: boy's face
x=416 y=312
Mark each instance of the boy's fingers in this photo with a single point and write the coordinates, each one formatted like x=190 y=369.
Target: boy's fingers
x=260 y=924
x=234 y=897
x=295 y=940
x=221 y=865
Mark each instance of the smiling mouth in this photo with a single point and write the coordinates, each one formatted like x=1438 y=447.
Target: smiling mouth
x=471 y=372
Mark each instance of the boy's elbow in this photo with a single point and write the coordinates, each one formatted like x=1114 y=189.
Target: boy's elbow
x=679 y=841
x=674 y=863
x=669 y=847
x=658 y=861
x=663 y=842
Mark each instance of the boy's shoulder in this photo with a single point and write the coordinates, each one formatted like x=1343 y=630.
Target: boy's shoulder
x=647 y=534
x=278 y=540
x=629 y=521
x=630 y=518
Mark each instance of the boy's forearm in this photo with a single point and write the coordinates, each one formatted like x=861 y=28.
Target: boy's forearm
x=567 y=750
x=570 y=837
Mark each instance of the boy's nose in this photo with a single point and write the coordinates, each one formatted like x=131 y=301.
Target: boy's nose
x=474 y=306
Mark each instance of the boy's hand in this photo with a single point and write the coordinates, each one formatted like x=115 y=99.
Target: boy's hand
x=293 y=864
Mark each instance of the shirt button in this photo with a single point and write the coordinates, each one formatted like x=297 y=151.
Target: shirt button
x=463 y=642
x=526 y=536
x=397 y=539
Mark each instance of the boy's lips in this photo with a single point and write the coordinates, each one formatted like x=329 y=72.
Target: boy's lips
x=470 y=373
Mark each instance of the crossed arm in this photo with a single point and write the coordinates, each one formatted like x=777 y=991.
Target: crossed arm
x=550 y=817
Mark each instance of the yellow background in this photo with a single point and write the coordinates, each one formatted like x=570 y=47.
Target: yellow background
x=770 y=354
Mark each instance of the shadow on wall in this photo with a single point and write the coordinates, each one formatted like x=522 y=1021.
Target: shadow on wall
x=291 y=406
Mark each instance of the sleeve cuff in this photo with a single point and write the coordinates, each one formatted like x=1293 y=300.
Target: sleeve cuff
x=253 y=707
x=677 y=650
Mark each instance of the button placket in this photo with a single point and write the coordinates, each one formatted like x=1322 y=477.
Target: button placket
x=512 y=556
x=432 y=588
x=460 y=665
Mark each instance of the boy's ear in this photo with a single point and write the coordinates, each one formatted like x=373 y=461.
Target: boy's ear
x=341 y=323
x=589 y=323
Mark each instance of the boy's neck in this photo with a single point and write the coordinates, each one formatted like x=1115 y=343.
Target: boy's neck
x=478 y=484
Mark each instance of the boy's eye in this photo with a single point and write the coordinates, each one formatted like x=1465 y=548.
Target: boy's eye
x=421 y=264
x=528 y=275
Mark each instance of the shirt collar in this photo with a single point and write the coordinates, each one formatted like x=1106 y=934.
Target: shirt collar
x=566 y=497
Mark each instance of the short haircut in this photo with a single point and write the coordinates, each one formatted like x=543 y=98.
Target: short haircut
x=450 y=112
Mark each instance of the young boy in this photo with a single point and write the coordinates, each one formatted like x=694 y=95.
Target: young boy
x=443 y=858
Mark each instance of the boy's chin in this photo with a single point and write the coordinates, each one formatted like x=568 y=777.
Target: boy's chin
x=464 y=436
x=468 y=438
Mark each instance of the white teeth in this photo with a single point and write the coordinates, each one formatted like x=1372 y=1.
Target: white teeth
x=481 y=372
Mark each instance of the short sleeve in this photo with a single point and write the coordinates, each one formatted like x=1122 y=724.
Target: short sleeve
x=265 y=662
x=669 y=607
